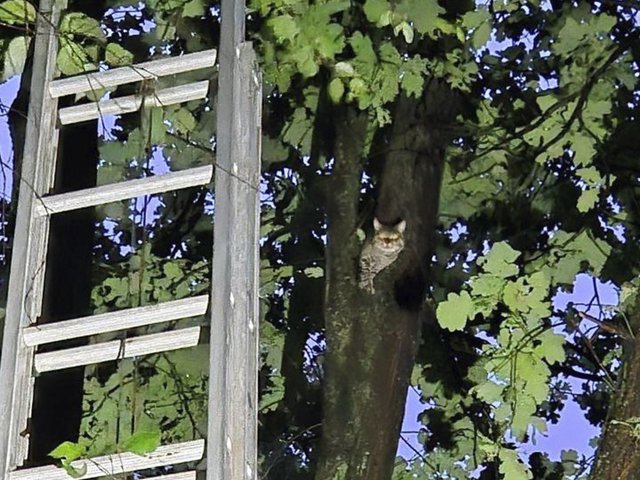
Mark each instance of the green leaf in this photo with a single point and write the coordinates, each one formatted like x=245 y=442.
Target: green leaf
x=455 y=311
x=604 y=23
x=587 y=200
x=500 y=260
x=182 y=120
x=412 y=75
x=535 y=375
x=68 y=451
x=304 y=57
x=407 y=32
x=481 y=35
x=117 y=56
x=194 y=9
x=15 y=57
x=374 y=9
x=365 y=60
x=298 y=131
x=314 y=272
x=284 y=27
x=511 y=466
x=73 y=471
x=515 y=296
x=77 y=23
x=73 y=58
x=584 y=148
x=113 y=152
x=270 y=399
x=344 y=69
x=551 y=347
x=487 y=285
x=423 y=13
x=335 y=90
x=142 y=442
x=158 y=131
x=489 y=392
x=17 y=12
x=476 y=17
x=569 y=37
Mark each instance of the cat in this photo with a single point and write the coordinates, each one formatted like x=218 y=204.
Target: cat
x=380 y=251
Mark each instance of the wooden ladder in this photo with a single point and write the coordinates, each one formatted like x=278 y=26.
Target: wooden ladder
x=232 y=432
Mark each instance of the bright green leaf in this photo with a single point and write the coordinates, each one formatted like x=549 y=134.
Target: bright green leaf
x=551 y=347
x=68 y=451
x=481 y=35
x=73 y=58
x=455 y=311
x=335 y=90
x=17 y=12
x=500 y=260
x=142 y=442
x=374 y=9
x=284 y=27
x=15 y=57
x=194 y=9
x=344 y=69
x=511 y=466
x=423 y=13
x=76 y=23
x=587 y=199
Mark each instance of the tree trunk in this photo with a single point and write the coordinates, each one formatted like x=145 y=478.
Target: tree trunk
x=372 y=339
x=618 y=455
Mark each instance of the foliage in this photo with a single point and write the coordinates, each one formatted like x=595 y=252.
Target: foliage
x=140 y=443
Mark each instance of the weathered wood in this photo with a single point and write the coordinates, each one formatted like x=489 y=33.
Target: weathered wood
x=191 y=475
x=134 y=73
x=133 y=103
x=119 y=463
x=232 y=433
x=30 y=243
x=114 y=321
x=103 y=352
x=90 y=197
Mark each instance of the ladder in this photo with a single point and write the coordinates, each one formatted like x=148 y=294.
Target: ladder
x=232 y=431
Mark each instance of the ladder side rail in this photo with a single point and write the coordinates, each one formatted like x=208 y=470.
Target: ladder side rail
x=233 y=386
x=29 y=244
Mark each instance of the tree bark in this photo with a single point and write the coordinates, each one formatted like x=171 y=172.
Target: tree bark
x=618 y=455
x=372 y=339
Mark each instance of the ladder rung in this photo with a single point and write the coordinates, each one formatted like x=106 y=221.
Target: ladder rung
x=132 y=103
x=103 y=352
x=133 y=73
x=90 y=197
x=119 y=463
x=113 y=321
x=191 y=475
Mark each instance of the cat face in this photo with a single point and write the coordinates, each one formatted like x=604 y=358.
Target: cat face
x=389 y=239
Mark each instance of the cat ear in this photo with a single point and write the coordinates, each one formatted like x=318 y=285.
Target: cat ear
x=376 y=224
x=401 y=226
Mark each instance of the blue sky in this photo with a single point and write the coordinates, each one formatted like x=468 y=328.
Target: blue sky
x=8 y=92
